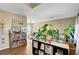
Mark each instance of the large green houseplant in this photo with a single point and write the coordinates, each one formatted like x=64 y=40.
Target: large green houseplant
x=56 y=34
x=45 y=31
x=41 y=33
x=69 y=31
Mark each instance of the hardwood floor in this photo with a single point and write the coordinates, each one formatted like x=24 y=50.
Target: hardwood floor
x=22 y=50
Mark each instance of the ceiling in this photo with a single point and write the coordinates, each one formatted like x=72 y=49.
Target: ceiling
x=32 y=5
x=37 y=12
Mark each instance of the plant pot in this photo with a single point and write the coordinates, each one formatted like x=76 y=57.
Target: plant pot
x=48 y=38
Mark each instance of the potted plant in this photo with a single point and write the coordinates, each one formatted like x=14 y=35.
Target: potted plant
x=47 y=33
x=41 y=34
x=69 y=31
x=56 y=35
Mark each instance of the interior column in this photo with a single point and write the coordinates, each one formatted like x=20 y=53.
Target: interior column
x=76 y=36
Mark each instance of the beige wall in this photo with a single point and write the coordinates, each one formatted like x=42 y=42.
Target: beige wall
x=57 y=24
x=7 y=17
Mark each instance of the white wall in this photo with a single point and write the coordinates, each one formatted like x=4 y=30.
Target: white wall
x=76 y=36
x=59 y=24
x=7 y=17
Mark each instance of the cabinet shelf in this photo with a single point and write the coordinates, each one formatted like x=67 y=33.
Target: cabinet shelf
x=17 y=39
x=48 y=49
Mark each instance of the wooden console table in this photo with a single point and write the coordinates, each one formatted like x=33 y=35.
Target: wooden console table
x=36 y=47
